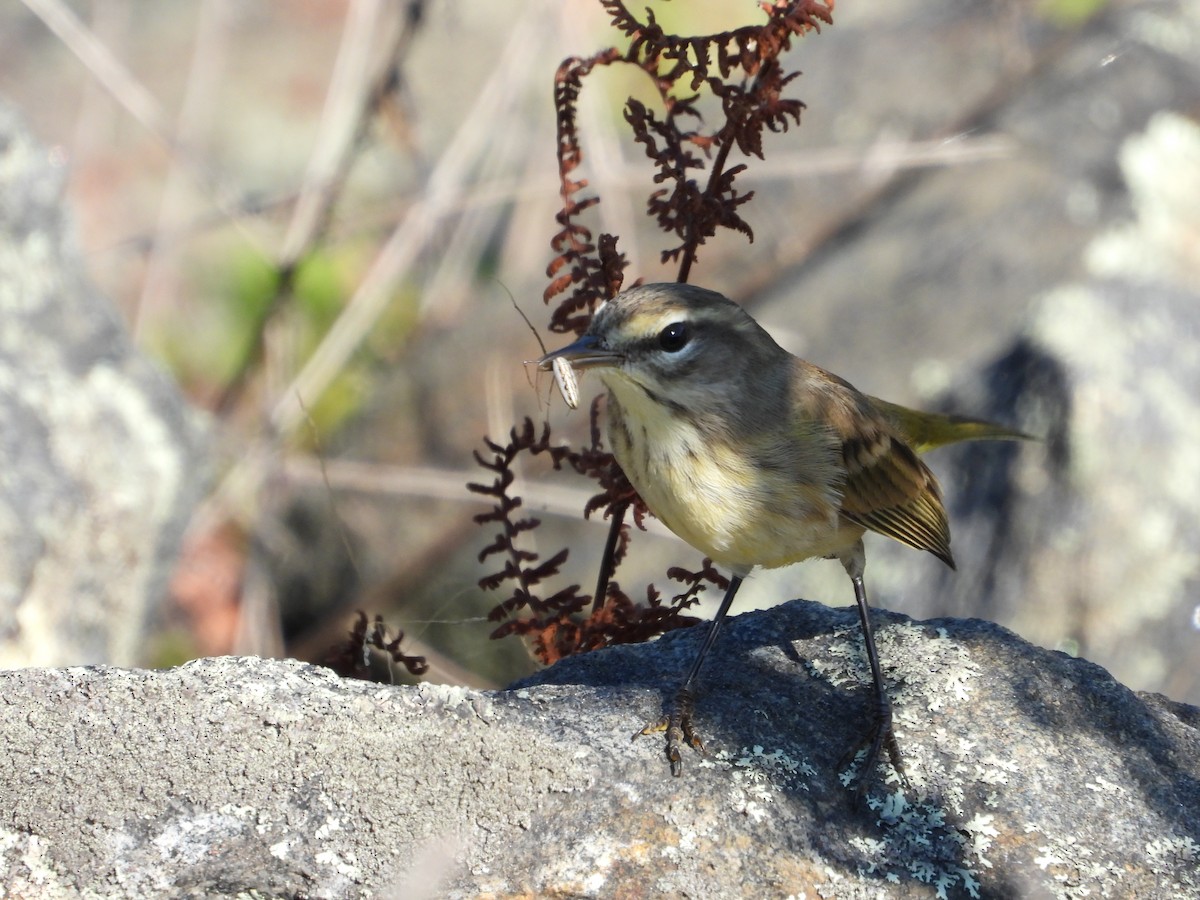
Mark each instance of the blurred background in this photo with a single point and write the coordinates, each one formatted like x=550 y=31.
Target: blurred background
x=319 y=219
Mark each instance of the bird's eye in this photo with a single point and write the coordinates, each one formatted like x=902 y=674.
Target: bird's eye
x=674 y=337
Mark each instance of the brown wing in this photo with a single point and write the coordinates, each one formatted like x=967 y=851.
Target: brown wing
x=887 y=488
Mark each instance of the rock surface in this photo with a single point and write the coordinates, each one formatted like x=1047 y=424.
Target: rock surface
x=1091 y=538
x=1030 y=774
x=101 y=458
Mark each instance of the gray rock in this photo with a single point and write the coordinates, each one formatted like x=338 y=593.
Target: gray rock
x=1031 y=773
x=1091 y=539
x=940 y=273
x=100 y=455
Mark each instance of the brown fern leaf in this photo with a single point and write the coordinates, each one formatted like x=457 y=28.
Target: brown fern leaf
x=519 y=565
x=351 y=658
x=576 y=265
x=740 y=68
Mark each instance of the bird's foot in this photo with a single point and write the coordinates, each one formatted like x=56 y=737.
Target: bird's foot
x=677 y=723
x=870 y=750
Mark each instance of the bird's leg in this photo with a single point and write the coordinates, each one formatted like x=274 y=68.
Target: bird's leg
x=677 y=716
x=881 y=735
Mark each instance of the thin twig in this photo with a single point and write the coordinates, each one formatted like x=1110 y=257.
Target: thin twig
x=351 y=103
x=195 y=119
x=133 y=97
x=445 y=184
x=343 y=118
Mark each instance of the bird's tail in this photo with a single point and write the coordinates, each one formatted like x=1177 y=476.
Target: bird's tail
x=925 y=431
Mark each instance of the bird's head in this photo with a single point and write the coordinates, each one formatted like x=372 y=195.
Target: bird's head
x=680 y=346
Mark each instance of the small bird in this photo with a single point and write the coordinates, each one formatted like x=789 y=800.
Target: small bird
x=758 y=458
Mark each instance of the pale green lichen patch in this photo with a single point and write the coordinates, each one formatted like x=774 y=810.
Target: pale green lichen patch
x=938 y=675
x=942 y=676
x=759 y=777
x=1074 y=869
x=935 y=826
x=1172 y=855
x=916 y=841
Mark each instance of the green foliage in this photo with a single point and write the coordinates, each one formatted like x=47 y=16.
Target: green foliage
x=1069 y=13
x=205 y=346
x=171 y=648
x=213 y=345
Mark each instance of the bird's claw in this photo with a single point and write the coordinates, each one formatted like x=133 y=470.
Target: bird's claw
x=880 y=737
x=676 y=721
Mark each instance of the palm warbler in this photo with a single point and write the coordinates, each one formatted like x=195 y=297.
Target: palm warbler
x=758 y=458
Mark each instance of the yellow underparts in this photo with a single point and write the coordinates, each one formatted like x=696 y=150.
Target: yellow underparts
x=719 y=501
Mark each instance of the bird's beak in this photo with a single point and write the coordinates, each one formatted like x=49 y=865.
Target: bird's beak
x=586 y=353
